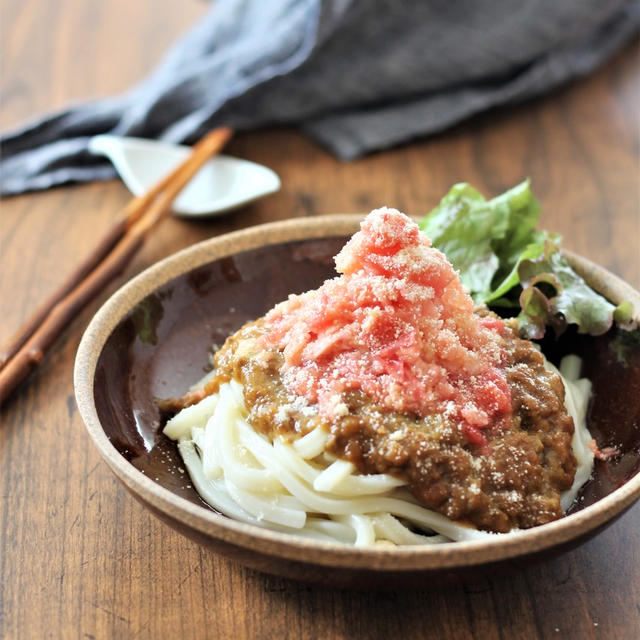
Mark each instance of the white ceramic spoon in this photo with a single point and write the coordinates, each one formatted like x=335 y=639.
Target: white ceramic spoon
x=223 y=183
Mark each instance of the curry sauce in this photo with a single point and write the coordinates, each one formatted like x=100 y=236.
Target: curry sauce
x=513 y=480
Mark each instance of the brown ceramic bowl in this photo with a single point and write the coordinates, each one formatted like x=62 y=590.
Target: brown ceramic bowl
x=153 y=339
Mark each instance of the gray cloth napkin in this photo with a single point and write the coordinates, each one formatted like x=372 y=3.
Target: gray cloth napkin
x=355 y=75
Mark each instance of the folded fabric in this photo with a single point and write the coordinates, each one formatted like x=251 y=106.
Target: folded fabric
x=355 y=75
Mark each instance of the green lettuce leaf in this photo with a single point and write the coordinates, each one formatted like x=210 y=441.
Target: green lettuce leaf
x=505 y=262
x=568 y=299
x=462 y=227
x=530 y=251
x=485 y=239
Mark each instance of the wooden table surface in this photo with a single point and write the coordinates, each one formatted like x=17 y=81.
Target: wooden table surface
x=80 y=558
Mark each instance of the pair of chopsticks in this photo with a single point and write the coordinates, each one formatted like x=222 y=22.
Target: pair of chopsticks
x=28 y=346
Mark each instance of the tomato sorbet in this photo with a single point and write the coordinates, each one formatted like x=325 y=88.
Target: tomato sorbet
x=397 y=325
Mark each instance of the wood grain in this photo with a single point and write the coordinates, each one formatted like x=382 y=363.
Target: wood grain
x=79 y=557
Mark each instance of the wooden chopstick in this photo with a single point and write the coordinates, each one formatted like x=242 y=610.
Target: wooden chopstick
x=28 y=346
x=130 y=213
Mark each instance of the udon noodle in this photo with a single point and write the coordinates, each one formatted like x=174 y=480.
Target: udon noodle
x=295 y=486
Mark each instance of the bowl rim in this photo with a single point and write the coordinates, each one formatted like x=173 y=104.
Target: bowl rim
x=288 y=546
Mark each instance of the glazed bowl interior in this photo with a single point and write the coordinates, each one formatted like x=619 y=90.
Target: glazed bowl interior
x=154 y=338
